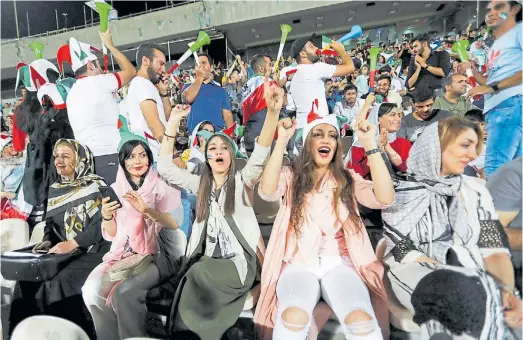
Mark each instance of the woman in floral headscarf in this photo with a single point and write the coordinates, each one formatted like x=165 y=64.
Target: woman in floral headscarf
x=73 y=220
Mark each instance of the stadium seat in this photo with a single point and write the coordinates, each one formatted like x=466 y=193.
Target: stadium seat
x=14 y=233
x=43 y=327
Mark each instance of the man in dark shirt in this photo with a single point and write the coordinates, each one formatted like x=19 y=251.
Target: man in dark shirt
x=422 y=116
x=427 y=69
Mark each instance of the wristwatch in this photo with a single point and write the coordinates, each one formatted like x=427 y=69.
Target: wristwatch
x=426 y=66
x=494 y=86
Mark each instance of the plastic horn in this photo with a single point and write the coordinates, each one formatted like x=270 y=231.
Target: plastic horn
x=460 y=47
x=374 y=51
x=202 y=40
x=285 y=30
x=103 y=11
x=37 y=48
x=354 y=33
x=194 y=54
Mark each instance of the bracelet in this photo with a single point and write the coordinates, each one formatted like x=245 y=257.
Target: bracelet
x=514 y=291
x=164 y=95
x=371 y=152
x=166 y=135
x=110 y=219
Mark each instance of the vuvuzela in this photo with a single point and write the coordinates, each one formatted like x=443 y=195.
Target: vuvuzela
x=202 y=40
x=285 y=29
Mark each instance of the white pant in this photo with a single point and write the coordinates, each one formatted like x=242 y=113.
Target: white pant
x=338 y=284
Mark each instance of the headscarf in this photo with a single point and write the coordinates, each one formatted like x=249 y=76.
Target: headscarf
x=427 y=203
x=79 y=198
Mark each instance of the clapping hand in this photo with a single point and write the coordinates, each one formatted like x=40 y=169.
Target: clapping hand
x=273 y=95
x=383 y=139
x=136 y=201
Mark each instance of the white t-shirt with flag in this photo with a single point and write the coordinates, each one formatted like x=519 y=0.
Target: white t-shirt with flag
x=141 y=89
x=93 y=113
x=308 y=84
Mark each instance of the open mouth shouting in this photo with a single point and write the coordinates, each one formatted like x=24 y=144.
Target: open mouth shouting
x=219 y=160
x=324 y=151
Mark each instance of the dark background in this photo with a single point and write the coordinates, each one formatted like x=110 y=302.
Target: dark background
x=42 y=16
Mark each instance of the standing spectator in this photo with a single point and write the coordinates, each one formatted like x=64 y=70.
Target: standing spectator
x=453 y=32
x=405 y=55
x=232 y=83
x=502 y=86
x=427 y=68
x=351 y=105
x=253 y=103
x=362 y=81
x=388 y=95
x=454 y=87
x=505 y=187
x=308 y=82
x=423 y=115
x=148 y=105
x=332 y=94
x=93 y=111
x=207 y=99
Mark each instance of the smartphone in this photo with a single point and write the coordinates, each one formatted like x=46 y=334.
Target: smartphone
x=42 y=251
x=109 y=192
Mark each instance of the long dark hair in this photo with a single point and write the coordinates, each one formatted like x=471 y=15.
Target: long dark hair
x=304 y=168
x=27 y=113
x=206 y=179
x=126 y=151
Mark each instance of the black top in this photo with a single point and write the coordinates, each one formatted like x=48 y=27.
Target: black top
x=439 y=59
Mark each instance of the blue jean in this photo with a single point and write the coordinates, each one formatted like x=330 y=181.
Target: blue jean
x=504 y=128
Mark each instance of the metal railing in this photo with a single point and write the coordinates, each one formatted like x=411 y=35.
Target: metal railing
x=96 y=22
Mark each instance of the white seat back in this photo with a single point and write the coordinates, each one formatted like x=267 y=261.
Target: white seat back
x=14 y=233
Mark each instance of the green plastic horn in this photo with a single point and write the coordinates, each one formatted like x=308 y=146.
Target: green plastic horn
x=460 y=47
x=37 y=48
x=202 y=40
x=103 y=10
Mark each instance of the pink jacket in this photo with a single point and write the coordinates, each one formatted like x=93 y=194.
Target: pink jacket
x=358 y=245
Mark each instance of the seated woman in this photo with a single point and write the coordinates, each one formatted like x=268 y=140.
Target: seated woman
x=118 y=307
x=73 y=221
x=447 y=252
x=12 y=165
x=226 y=247
x=193 y=158
x=318 y=245
x=388 y=117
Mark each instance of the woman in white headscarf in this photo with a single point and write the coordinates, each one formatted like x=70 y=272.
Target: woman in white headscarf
x=445 y=247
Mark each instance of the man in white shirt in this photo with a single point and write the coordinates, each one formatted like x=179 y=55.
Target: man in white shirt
x=91 y=107
x=351 y=105
x=308 y=84
x=148 y=105
x=388 y=95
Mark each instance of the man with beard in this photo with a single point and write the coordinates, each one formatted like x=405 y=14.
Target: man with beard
x=308 y=83
x=427 y=68
x=455 y=86
x=92 y=110
x=208 y=100
x=386 y=94
x=147 y=99
x=423 y=115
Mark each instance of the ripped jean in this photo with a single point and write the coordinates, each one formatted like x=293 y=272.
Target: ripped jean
x=342 y=289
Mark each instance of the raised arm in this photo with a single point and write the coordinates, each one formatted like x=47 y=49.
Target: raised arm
x=273 y=96
x=381 y=180
x=127 y=70
x=273 y=170
x=166 y=167
x=347 y=66
x=189 y=95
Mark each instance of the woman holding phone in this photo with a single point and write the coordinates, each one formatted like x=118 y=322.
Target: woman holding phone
x=73 y=221
x=134 y=222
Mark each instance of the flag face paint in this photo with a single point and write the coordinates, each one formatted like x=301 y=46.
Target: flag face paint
x=503 y=15
x=209 y=156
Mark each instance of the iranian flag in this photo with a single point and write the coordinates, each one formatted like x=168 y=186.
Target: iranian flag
x=325 y=41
